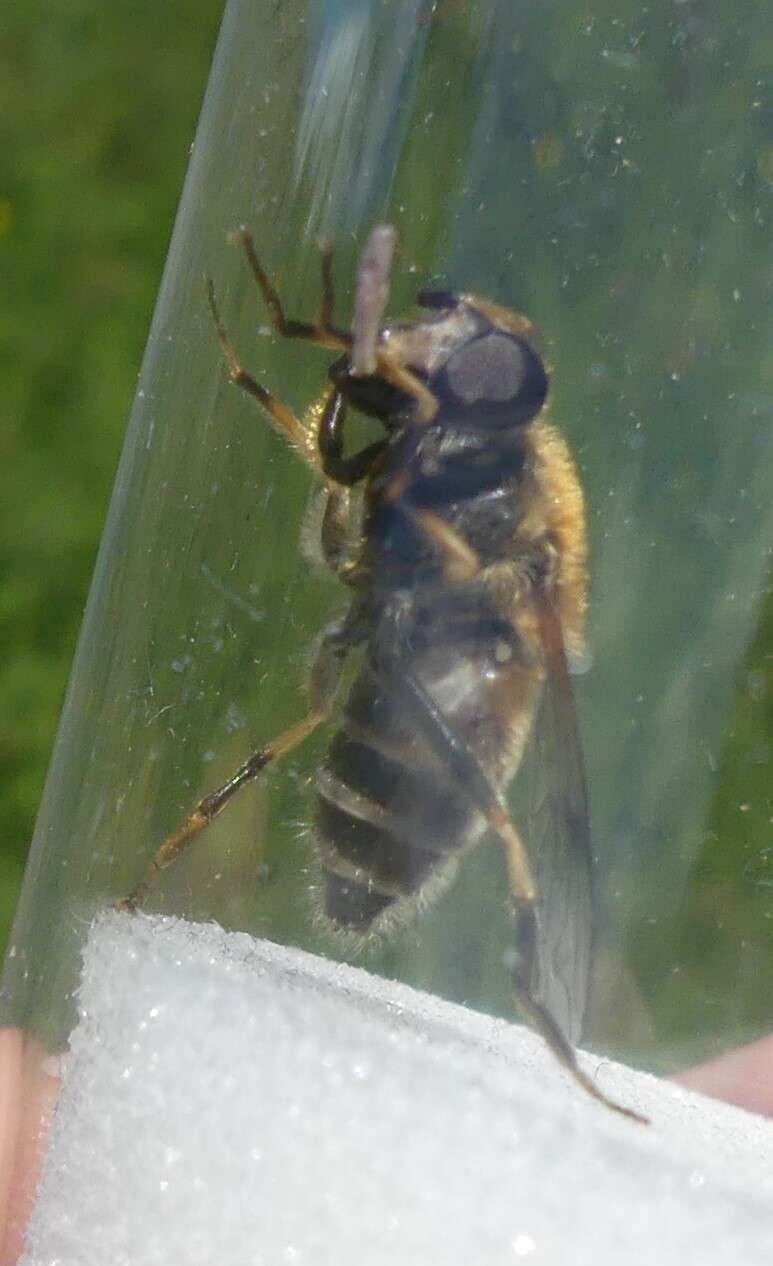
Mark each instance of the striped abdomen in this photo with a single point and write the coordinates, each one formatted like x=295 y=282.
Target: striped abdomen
x=390 y=817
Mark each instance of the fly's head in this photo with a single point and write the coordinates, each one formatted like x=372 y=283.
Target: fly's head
x=473 y=359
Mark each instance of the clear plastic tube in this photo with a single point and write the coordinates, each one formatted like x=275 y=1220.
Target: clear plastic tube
x=603 y=175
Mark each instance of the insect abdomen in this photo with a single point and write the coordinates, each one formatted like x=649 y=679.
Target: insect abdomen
x=388 y=819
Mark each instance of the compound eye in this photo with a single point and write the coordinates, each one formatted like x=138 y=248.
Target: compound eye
x=444 y=299
x=498 y=379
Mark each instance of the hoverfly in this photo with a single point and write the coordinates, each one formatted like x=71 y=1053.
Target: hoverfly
x=468 y=584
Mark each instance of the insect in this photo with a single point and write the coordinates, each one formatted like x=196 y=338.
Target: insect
x=465 y=559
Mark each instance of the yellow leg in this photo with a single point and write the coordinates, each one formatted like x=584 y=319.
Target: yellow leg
x=302 y=439
x=334 y=645
x=210 y=806
x=460 y=561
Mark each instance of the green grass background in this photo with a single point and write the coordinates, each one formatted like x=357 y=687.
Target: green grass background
x=98 y=108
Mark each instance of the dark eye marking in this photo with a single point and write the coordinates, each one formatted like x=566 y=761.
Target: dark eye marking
x=492 y=367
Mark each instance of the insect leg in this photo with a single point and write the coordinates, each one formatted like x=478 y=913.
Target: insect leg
x=335 y=643
x=467 y=772
x=389 y=368
x=323 y=332
x=299 y=436
x=342 y=473
x=543 y=1022
x=330 y=438
x=460 y=562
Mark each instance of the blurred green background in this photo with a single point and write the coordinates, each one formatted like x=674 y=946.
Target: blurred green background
x=98 y=108
x=632 y=260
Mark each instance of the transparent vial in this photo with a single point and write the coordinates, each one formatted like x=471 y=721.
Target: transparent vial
x=547 y=163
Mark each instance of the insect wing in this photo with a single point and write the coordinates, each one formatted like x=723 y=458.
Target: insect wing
x=559 y=836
